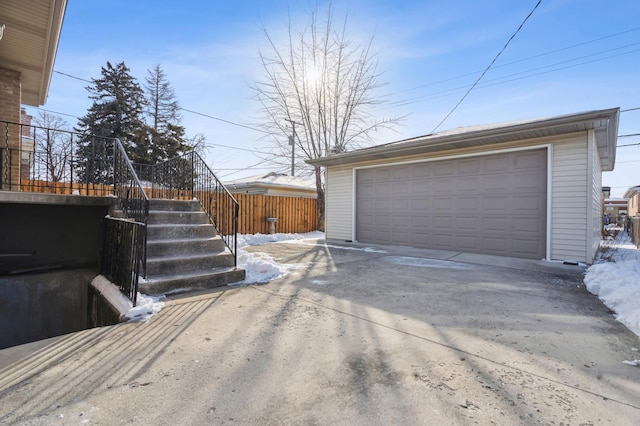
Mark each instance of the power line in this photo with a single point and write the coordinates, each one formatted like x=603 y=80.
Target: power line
x=514 y=62
x=489 y=67
x=629 y=135
x=224 y=121
x=498 y=80
x=72 y=76
x=181 y=108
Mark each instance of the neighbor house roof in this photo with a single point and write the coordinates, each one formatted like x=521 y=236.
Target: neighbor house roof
x=271 y=180
x=603 y=122
x=631 y=192
x=30 y=42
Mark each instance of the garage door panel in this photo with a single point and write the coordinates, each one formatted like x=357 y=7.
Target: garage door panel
x=399 y=206
x=418 y=222
x=469 y=224
x=493 y=204
x=498 y=163
x=496 y=184
x=441 y=169
x=529 y=159
x=442 y=222
x=495 y=245
x=496 y=204
x=441 y=241
x=400 y=238
x=467 y=242
x=528 y=225
x=494 y=224
x=525 y=248
x=440 y=204
x=467 y=185
x=400 y=222
x=527 y=182
x=528 y=204
x=469 y=166
x=466 y=203
x=402 y=173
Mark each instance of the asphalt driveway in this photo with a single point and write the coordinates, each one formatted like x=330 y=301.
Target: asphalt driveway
x=353 y=335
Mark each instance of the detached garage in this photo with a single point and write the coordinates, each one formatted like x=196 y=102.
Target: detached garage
x=529 y=189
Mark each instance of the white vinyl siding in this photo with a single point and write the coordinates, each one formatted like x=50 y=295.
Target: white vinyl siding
x=570 y=189
x=575 y=178
x=595 y=232
x=339 y=203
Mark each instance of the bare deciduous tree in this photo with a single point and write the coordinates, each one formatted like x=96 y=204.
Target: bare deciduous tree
x=53 y=146
x=326 y=84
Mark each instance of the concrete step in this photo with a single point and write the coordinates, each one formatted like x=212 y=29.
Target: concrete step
x=174 y=205
x=177 y=217
x=179 y=231
x=187 y=263
x=159 y=248
x=172 y=284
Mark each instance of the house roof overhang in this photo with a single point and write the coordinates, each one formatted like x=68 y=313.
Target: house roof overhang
x=30 y=42
x=604 y=123
x=632 y=191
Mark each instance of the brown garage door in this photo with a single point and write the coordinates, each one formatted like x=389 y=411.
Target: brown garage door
x=494 y=204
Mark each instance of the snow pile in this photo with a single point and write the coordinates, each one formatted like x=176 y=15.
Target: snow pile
x=245 y=240
x=615 y=278
x=261 y=267
x=146 y=307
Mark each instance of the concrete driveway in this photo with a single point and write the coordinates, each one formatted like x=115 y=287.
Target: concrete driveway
x=354 y=335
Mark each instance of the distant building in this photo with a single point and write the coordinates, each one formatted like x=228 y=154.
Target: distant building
x=273 y=184
x=616 y=206
x=632 y=195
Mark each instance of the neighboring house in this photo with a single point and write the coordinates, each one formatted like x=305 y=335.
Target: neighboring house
x=273 y=184
x=632 y=195
x=27 y=53
x=528 y=189
x=615 y=206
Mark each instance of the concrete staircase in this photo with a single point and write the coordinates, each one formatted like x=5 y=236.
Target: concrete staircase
x=184 y=253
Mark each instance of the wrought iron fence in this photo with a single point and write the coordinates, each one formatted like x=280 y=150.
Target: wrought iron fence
x=39 y=159
x=188 y=177
x=121 y=260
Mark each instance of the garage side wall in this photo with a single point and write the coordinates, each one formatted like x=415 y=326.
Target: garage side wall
x=570 y=192
x=339 y=203
x=596 y=199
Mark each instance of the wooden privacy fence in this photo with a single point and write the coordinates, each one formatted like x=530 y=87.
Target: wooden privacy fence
x=295 y=214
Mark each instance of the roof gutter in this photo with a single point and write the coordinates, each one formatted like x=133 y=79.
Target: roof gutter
x=410 y=146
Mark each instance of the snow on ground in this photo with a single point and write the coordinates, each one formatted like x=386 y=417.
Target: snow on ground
x=146 y=307
x=615 y=278
x=261 y=267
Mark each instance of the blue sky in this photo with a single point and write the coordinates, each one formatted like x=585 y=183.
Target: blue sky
x=570 y=56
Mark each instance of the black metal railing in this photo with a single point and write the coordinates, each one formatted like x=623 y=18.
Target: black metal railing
x=39 y=159
x=122 y=254
x=132 y=199
x=188 y=177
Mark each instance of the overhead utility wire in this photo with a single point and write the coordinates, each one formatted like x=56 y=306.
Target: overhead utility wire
x=498 y=82
x=489 y=67
x=514 y=62
x=183 y=109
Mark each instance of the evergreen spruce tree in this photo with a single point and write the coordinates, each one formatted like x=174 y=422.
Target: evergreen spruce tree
x=167 y=135
x=116 y=112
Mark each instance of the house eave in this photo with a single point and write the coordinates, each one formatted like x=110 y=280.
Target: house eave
x=30 y=43
x=604 y=123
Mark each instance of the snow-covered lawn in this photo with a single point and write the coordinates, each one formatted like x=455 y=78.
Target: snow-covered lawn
x=615 y=277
